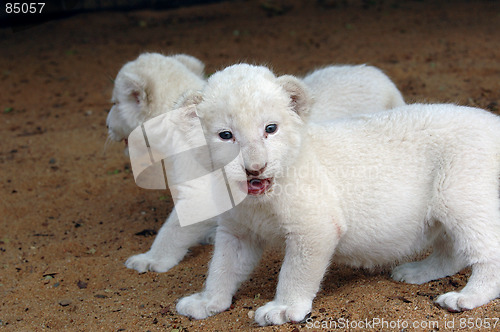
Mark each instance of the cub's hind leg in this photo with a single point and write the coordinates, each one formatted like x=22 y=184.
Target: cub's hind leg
x=442 y=262
x=481 y=251
x=470 y=214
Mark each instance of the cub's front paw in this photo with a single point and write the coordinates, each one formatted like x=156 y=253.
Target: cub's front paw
x=274 y=313
x=147 y=262
x=200 y=306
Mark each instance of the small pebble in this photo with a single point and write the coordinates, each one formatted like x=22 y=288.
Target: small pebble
x=65 y=303
x=251 y=314
x=81 y=284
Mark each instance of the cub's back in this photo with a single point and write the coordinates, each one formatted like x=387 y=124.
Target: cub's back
x=405 y=143
x=417 y=123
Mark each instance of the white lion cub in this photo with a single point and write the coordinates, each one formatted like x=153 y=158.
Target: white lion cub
x=365 y=191
x=144 y=88
x=339 y=90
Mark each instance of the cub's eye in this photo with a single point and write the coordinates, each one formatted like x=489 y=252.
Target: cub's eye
x=225 y=135
x=271 y=128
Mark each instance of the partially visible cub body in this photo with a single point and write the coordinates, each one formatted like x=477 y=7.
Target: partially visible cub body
x=366 y=191
x=338 y=91
x=345 y=90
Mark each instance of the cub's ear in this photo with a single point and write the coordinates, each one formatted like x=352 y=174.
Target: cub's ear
x=192 y=63
x=135 y=88
x=300 y=97
x=190 y=98
x=186 y=121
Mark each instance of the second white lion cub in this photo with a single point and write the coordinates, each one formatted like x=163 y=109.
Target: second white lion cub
x=365 y=191
x=144 y=88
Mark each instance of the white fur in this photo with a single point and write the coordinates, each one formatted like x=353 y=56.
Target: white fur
x=338 y=91
x=144 y=88
x=348 y=90
x=366 y=191
x=149 y=86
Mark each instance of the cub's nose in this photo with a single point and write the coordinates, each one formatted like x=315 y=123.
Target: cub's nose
x=255 y=170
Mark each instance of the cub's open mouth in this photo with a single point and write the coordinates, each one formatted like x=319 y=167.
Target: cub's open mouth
x=126 y=141
x=258 y=186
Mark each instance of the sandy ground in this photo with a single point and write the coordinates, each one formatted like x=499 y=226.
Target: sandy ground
x=69 y=211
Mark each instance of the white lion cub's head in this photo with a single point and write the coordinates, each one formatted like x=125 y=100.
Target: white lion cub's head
x=149 y=86
x=263 y=115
